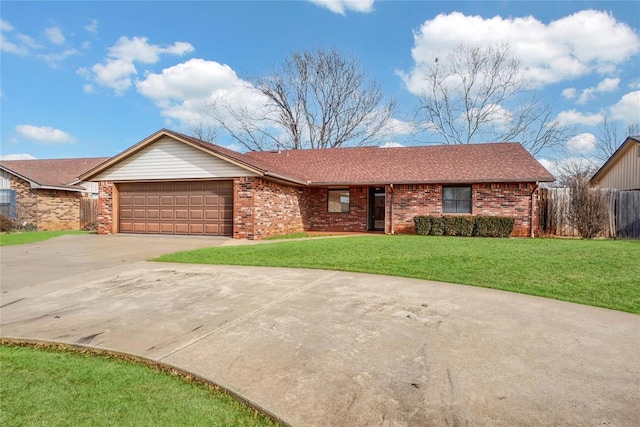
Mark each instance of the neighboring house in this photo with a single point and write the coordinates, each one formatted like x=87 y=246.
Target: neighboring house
x=622 y=170
x=175 y=184
x=45 y=193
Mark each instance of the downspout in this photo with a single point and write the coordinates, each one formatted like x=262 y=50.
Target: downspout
x=533 y=206
x=391 y=214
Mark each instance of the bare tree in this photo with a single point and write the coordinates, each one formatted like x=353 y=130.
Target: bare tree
x=204 y=131
x=319 y=99
x=611 y=136
x=480 y=95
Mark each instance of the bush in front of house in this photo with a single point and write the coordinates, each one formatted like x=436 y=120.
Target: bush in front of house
x=6 y=224
x=479 y=226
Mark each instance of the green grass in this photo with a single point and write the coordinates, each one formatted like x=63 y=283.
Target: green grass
x=20 y=238
x=53 y=388
x=604 y=273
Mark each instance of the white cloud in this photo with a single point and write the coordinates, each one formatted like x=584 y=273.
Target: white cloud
x=5 y=26
x=391 y=144
x=54 y=58
x=28 y=41
x=627 y=109
x=574 y=117
x=582 y=143
x=606 y=85
x=183 y=90
x=118 y=68
x=576 y=45
x=44 y=134
x=341 y=6
x=92 y=26
x=569 y=93
x=54 y=34
x=16 y=157
x=88 y=89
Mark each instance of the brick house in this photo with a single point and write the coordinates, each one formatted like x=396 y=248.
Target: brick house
x=175 y=184
x=45 y=193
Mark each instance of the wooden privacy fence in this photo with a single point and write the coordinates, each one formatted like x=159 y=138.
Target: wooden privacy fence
x=623 y=207
x=88 y=212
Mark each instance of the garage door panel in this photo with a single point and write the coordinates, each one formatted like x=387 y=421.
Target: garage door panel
x=196 y=200
x=197 y=207
x=212 y=214
x=153 y=227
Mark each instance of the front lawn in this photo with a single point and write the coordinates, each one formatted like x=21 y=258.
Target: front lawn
x=52 y=388
x=604 y=273
x=20 y=237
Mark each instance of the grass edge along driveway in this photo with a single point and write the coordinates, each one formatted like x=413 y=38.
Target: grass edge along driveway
x=23 y=237
x=602 y=273
x=60 y=385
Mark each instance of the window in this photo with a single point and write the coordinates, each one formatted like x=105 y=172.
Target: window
x=456 y=200
x=339 y=200
x=8 y=203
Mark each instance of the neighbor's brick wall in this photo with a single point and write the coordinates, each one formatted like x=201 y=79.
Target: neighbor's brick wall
x=263 y=209
x=315 y=215
x=498 y=199
x=58 y=210
x=26 y=201
x=105 y=207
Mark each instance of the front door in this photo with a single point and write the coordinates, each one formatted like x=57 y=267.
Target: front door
x=376 y=208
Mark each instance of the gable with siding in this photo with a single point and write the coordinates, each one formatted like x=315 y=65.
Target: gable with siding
x=168 y=158
x=622 y=170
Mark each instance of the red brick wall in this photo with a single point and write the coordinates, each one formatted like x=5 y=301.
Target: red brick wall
x=409 y=201
x=499 y=199
x=316 y=217
x=262 y=209
x=105 y=207
x=510 y=199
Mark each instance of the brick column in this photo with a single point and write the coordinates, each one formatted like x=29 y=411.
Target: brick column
x=105 y=207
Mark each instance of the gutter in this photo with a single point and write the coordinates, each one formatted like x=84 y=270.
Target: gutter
x=533 y=208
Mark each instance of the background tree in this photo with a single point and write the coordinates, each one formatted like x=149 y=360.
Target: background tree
x=588 y=208
x=611 y=136
x=319 y=99
x=481 y=95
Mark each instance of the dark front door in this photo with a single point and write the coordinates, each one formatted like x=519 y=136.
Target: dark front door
x=376 y=208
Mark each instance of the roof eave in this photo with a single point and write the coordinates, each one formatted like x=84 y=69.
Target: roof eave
x=441 y=181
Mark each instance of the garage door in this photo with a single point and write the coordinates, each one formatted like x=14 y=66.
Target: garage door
x=204 y=208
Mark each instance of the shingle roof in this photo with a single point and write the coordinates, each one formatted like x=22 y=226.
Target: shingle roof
x=52 y=172
x=496 y=162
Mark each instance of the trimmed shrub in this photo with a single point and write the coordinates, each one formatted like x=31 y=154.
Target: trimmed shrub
x=480 y=226
x=458 y=225
x=493 y=226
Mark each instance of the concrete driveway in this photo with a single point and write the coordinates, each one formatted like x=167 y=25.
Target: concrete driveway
x=329 y=348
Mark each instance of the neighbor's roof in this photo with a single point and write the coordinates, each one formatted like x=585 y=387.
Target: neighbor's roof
x=52 y=173
x=495 y=162
x=611 y=161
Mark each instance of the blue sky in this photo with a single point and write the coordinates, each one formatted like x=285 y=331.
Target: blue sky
x=83 y=79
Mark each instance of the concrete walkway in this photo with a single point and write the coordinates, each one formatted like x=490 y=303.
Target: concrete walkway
x=324 y=348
